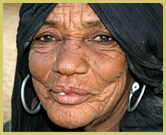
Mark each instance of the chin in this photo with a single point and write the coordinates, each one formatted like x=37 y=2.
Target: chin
x=70 y=123
x=71 y=117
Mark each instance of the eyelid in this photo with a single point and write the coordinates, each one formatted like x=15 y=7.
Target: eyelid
x=92 y=33
x=53 y=38
x=42 y=35
x=107 y=36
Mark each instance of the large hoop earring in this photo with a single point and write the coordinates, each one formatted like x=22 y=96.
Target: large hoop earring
x=135 y=86
x=23 y=98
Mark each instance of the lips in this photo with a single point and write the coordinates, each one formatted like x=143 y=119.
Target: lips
x=70 y=96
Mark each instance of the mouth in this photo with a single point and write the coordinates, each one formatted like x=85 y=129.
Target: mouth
x=69 y=96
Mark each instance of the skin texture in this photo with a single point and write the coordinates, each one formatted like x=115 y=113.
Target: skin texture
x=74 y=50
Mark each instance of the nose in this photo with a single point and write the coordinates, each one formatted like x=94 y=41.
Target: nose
x=69 y=63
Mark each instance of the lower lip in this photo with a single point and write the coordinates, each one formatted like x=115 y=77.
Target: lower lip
x=70 y=99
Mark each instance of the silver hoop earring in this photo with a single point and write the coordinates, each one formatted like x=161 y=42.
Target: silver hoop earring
x=23 y=98
x=135 y=86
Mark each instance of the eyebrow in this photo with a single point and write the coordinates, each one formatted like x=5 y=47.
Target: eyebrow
x=93 y=23
x=49 y=23
x=85 y=23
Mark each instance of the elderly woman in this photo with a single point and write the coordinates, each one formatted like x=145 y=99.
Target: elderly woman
x=80 y=66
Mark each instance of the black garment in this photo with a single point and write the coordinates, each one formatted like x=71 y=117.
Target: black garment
x=138 y=28
x=7 y=126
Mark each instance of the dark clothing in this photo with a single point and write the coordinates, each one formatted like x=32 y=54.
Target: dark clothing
x=138 y=28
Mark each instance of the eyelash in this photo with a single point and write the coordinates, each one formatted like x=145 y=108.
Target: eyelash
x=50 y=38
x=105 y=37
x=95 y=39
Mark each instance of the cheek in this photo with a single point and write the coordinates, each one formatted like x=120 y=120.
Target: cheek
x=43 y=94
x=39 y=66
x=110 y=69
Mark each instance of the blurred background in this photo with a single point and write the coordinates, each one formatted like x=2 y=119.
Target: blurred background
x=10 y=24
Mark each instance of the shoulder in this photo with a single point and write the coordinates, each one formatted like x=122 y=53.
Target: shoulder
x=148 y=115
x=7 y=126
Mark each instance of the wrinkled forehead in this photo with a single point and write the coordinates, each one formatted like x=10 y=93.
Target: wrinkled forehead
x=73 y=7
x=75 y=13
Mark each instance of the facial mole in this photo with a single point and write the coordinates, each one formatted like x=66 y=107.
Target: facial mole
x=78 y=47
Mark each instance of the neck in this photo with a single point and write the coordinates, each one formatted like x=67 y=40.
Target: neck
x=111 y=124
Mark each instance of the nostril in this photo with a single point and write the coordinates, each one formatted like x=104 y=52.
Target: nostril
x=70 y=69
x=82 y=67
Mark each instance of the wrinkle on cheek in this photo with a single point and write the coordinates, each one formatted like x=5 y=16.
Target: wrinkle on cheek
x=100 y=76
x=96 y=107
x=104 y=96
x=110 y=95
x=116 y=68
x=42 y=93
x=121 y=58
x=97 y=81
x=107 y=93
x=100 y=101
x=114 y=54
x=40 y=66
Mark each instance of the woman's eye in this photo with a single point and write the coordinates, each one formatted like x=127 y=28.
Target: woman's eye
x=102 y=38
x=46 y=38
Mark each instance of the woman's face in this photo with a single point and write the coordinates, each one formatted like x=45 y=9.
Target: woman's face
x=78 y=70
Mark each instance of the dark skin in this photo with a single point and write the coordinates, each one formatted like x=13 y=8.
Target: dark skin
x=79 y=71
